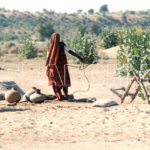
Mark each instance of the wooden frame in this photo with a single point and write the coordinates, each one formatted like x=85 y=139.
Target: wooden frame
x=140 y=81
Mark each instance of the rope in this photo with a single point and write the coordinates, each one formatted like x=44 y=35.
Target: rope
x=83 y=67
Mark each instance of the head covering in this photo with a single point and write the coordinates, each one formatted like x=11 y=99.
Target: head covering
x=53 y=52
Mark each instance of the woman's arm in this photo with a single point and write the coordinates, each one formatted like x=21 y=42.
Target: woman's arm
x=73 y=53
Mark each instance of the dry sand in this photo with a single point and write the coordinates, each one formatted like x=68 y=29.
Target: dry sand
x=72 y=126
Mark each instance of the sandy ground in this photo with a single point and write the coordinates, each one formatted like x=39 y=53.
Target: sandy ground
x=67 y=125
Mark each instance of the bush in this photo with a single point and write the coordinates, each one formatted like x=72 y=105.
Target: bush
x=91 y=11
x=8 y=36
x=23 y=36
x=96 y=29
x=134 y=54
x=46 y=30
x=85 y=46
x=83 y=29
x=143 y=12
x=0 y=52
x=51 y=12
x=28 y=50
x=79 y=11
x=109 y=38
x=132 y=12
x=104 y=9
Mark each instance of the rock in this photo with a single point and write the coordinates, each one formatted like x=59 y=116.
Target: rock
x=104 y=103
x=38 y=97
x=12 y=96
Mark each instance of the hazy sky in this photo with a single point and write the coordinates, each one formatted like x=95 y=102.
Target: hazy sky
x=74 y=5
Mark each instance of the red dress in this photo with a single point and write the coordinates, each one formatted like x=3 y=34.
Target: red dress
x=61 y=78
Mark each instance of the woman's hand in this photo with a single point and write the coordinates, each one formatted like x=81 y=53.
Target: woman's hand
x=81 y=59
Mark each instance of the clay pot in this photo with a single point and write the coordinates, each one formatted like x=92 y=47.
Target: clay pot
x=12 y=96
x=29 y=93
x=37 y=97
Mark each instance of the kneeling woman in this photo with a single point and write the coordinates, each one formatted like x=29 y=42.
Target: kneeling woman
x=57 y=69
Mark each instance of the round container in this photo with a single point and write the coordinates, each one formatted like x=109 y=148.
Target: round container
x=29 y=93
x=12 y=96
x=37 y=97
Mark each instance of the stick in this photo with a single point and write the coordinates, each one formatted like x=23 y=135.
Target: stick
x=127 y=90
x=141 y=85
x=114 y=91
x=135 y=94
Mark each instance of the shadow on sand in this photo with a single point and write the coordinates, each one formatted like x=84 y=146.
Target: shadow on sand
x=70 y=98
x=12 y=109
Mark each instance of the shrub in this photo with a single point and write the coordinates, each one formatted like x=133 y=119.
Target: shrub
x=79 y=11
x=2 y=15
x=51 y=12
x=83 y=29
x=23 y=36
x=91 y=11
x=104 y=8
x=143 y=12
x=28 y=50
x=46 y=30
x=124 y=18
x=134 y=54
x=44 y=55
x=114 y=37
x=109 y=38
x=0 y=52
x=132 y=12
x=85 y=47
x=96 y=29
x=8 y=36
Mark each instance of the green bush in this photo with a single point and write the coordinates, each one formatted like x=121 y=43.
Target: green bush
x=91 y=11
x=46 y=30
x=132 y=12
x=104 y=9
x=85 y=46
x=0 y=52
x=110 y=38
x=135 y=52
x=28 y=50
x=95 y=29
x=83 y=29
x=23 y=36
x=10 y=35
x=143 y=12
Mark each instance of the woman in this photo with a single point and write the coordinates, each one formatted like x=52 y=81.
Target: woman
x=57 y=69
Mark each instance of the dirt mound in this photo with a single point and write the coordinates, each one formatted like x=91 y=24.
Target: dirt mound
x=111 y=52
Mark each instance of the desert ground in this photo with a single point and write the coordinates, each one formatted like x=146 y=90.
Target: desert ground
x=63 y=125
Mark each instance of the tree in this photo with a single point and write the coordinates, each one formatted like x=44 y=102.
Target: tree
x=0 y=52
x=91 y=11
x=45 y=10
x=46 y=30
x=104 y=9
x=85 y=46
x=134 y=53
x=96 y=29
x=124 y=18
x=28 y=50
x=82 y=29
x=79 y=11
